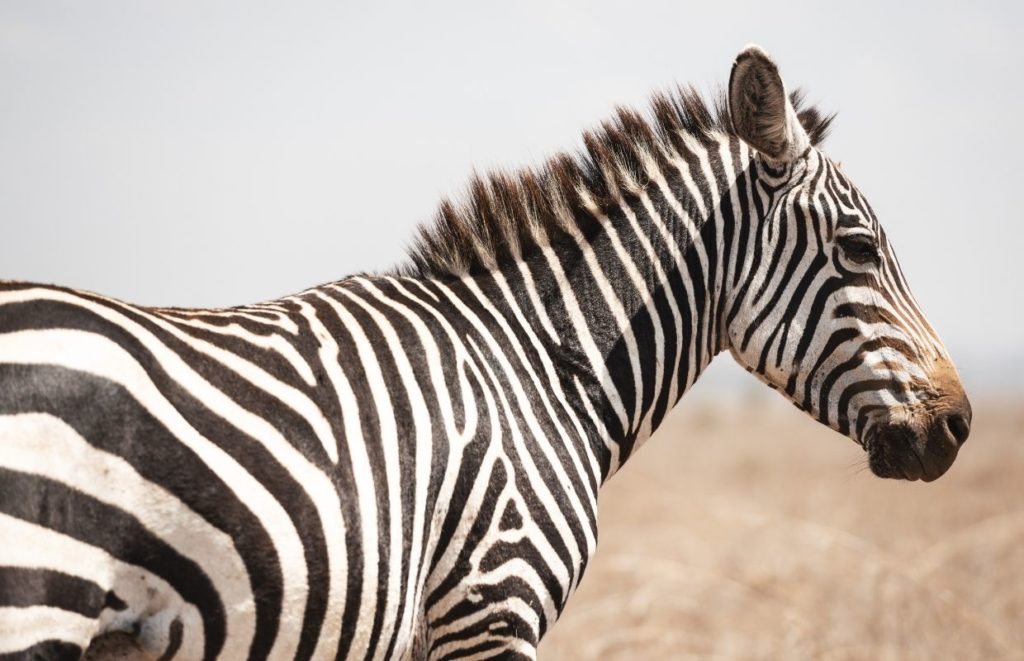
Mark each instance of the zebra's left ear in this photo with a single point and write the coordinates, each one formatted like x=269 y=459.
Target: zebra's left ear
x=760 y=109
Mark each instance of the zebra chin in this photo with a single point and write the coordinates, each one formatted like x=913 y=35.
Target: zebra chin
x=911 y=452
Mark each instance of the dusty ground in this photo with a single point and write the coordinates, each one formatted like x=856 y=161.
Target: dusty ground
x=761 y=535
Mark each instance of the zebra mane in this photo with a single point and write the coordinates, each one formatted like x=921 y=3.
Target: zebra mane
x=505 y=215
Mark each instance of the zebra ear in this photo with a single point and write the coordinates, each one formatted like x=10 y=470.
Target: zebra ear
x=761 y=112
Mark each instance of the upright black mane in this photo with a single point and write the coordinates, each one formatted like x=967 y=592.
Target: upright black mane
x=503 y=214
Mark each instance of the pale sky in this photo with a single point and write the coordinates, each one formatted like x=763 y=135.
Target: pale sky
x=214 y=153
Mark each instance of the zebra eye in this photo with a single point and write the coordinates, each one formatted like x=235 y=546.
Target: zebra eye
x=859 y=248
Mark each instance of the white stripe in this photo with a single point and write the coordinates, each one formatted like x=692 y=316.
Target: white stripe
x=21 y=628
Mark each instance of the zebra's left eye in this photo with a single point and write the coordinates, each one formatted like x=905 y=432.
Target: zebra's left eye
x=859 y=248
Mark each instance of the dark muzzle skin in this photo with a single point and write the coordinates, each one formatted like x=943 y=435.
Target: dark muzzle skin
x=924 y=446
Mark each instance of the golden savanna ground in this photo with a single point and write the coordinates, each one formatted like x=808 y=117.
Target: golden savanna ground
x=748 y=531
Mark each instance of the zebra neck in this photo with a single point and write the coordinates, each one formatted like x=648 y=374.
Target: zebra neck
x=629 y=304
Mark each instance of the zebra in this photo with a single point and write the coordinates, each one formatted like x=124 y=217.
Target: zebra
x=405 y=464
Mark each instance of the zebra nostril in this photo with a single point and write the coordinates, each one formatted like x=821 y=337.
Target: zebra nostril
x=958 y=427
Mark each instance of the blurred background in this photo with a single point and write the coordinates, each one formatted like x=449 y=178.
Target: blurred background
x=216 y=153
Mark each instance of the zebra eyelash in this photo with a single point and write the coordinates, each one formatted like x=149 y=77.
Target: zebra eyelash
x=859 y=247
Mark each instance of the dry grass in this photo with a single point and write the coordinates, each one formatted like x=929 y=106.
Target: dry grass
x=761 y=536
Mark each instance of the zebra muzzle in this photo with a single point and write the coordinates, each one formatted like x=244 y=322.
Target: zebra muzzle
x=906 y=452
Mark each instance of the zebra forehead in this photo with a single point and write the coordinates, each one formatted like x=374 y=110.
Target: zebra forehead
x=503 y=213
x=851 y=209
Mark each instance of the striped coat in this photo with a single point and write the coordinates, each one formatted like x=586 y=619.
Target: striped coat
x=406 y=465
x=295 y=478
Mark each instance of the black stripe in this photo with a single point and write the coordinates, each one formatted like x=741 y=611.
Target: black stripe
x=25 y=586
x=174 y=644
x=47 y=650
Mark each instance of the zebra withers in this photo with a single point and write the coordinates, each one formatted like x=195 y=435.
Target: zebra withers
x=406 y=465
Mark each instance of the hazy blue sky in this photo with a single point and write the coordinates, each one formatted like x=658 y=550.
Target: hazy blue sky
x=212 y=153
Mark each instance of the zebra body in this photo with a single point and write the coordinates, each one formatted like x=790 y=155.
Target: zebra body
x=406 y=465
x=374 y=434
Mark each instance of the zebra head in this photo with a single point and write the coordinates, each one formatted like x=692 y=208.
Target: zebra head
x=820 y=310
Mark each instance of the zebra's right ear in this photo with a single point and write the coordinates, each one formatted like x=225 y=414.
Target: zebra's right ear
x=760 y=109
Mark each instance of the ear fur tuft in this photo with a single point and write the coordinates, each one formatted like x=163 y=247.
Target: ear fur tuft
x=761 y=111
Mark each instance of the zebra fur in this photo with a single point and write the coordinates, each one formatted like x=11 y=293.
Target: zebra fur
x=406 y=464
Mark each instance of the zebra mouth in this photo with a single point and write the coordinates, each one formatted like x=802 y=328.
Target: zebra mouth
x=902 y=452
x=892 y=454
